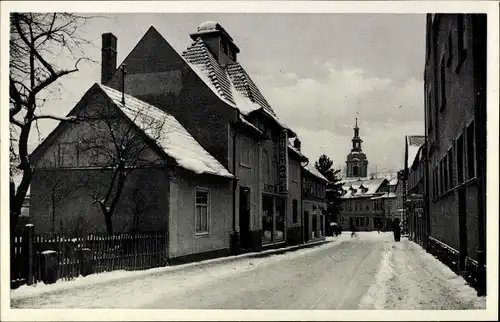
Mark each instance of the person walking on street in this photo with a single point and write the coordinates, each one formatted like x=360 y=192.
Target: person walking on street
x=396 y=228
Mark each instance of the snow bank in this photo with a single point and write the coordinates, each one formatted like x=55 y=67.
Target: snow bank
x=377 y=294
x=122 y=276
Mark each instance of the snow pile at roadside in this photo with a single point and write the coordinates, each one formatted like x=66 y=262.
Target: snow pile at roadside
x=377 y=294
x=120 y=277
x=455 y=282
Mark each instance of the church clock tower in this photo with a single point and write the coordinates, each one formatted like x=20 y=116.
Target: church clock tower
x=357 y=163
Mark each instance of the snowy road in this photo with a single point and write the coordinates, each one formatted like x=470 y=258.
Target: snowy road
x=369 y=271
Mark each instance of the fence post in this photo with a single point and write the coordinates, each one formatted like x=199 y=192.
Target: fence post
x=31 y=256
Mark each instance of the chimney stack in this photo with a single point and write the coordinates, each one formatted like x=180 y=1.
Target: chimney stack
x=297 y=144
x=108 y=62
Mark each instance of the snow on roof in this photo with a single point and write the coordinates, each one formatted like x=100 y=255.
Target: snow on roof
x=175 y=141
x=207 y=26
x=291 y=147
x=414 y=144
x=393 y=182
x=231 y=83
x=352 y=187
x=312 y=170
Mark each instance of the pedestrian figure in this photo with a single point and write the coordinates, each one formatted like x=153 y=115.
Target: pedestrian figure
x=353 y=233
x=396 y=229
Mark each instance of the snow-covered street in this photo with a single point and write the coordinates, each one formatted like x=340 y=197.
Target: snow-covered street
x=369 y=271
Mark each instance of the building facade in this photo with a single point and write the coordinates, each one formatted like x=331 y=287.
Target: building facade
x=416 y=217
x=170 y=184
x=313 y=203
x=455 y=115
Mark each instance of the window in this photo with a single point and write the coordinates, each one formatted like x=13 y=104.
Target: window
x=245 y=151
x=202 y=211
x=444 y=161
x=443 y=84
x=223 y=47
x=461 y=41
x=460 y=159
x=441 y=175
x=295 y=212
x=367 y=221
x=450 y=50
x=450 y=169
x=67 y=154
x=429 y=108
x=471 y=161
x=232 y=55
x=266 y=166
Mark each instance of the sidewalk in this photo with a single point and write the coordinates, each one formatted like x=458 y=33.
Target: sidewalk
x=123 y=276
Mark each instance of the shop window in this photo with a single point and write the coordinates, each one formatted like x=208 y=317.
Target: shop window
x=280 y=219
x=202 y=211
x=267 y=219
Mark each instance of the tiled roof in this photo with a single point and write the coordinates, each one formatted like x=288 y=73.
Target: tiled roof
x=224 y=79
x=197 y=54
x=175 y=140
x=417 y=140
x=372 y=186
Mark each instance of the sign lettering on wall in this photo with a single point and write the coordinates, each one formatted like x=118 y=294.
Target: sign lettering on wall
x=283 y=161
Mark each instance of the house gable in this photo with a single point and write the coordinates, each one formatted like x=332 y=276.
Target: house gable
x=68 y=147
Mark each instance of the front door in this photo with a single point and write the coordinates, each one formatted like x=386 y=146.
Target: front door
x=462 y=228
x=245 y=217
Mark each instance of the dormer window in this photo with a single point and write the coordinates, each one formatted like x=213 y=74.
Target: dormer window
x=223 y=47
x=232 y=55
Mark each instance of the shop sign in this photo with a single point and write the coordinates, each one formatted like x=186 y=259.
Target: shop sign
x=283 y=161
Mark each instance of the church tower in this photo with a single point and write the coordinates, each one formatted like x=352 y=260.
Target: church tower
x=357 y=163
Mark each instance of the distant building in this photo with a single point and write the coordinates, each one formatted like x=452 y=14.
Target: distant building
x=357 y=162
x=363 y=205
x=416 y=221
x=313 y=202
x=455 y=116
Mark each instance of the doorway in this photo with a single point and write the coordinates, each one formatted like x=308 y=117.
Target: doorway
x=462 y=228
x=306 y=226
x=245 y=217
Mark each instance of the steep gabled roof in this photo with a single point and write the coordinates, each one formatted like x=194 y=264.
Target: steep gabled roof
x=313 y=171
x=415 y=142
x=175 y=141
x=231 y=83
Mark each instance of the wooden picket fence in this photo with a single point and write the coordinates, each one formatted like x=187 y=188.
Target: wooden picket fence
x=122 y=251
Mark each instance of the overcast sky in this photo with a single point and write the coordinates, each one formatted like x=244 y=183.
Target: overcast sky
x=316 y=71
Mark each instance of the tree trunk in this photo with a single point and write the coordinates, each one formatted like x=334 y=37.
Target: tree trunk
x=109 y=224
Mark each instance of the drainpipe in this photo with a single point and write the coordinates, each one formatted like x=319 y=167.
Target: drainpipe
x=302 y=203
x=234 y=238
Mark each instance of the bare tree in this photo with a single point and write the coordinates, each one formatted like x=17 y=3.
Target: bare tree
x=36 y=41
x=60 y=188
x=117 y=146
x=140 y=206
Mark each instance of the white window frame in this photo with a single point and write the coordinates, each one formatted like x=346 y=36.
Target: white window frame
x=208 y=205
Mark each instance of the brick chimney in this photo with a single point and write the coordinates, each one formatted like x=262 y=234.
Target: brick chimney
x=297 y=144
x=108 y=62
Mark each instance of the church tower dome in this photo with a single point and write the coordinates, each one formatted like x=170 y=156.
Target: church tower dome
x=357 y=163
